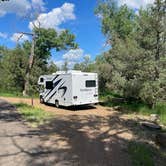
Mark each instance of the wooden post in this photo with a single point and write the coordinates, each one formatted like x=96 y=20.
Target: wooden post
x=32 y=101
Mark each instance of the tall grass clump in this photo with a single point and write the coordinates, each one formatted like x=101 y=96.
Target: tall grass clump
x=34 y=115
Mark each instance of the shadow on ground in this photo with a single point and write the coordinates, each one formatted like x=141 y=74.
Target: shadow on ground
x=84 y=140
x=74 y=108
x=8 y=112
x=90 y=141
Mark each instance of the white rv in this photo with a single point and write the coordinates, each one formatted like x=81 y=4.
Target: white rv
x=69 y=88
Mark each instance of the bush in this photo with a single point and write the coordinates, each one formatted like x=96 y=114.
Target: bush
x=141 y=154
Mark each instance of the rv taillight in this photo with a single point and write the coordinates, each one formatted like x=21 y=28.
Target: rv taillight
x=95 y=95
x=74 y=97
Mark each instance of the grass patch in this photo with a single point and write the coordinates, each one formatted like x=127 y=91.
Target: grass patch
x=141 y=154
x=10 y=94
x=35 y=116
x=136 y=107
x=16 y=94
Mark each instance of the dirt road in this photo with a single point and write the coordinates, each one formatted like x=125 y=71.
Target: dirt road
x=86 y=137
x=17 y=145
x=97 y=110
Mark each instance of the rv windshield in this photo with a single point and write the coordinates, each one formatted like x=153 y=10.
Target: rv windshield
x=90 y=83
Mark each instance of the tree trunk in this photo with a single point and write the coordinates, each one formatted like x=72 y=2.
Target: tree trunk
x=157 y=54
x=26 y=84
x=31 y=60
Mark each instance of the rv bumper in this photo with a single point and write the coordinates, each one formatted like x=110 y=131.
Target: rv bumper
x=86 y=103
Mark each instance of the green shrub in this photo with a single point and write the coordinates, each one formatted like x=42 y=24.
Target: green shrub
x=32 y=114
x=141 y=154
x=136 y=106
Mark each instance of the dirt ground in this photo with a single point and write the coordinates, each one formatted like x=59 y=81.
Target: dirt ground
x=97 y=110
x=91 y=136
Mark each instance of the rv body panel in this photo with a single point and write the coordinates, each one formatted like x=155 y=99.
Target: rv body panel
x=82 y=92
x=62 y=91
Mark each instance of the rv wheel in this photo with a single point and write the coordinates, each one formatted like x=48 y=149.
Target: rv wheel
x=57 y=103
x=41 y=100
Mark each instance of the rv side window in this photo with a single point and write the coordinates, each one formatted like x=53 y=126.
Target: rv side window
x=41 y=79
x=49 y=85
x=90 y=83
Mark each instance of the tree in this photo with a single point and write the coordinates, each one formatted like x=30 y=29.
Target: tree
x=44 y=40
x=86 y=65
x=151 y=34
x=158 y=25
x=13 y=69
x=118 y=24
x=104 y=70
x=65 y=65
x=13 y=65
x=51 y=68
x=116 y=21
x=137 y=54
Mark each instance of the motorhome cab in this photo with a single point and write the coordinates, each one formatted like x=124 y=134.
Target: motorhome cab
x=69 y=88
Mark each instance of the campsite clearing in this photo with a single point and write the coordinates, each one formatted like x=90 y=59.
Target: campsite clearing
x=89 y=136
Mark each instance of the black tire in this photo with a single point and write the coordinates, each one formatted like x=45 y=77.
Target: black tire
x=56 y=103
x=41 y=100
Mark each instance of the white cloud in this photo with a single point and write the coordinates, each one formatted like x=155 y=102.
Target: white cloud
x=73 y=55
x=21 y=7
x=19 y=37
x=3 y=35
x=38 y=5
x=59 y=63
x=55 y=17
x=136 y=4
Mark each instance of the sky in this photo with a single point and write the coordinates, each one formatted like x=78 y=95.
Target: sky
x=76 y=15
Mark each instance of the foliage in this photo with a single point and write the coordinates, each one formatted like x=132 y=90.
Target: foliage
x=138 y=107
x=10 y=94
x=35 y=116
x=116 y=21
x=47 y=39
x=85 y=66
x=51 y=68
x=141 y=154
x=135 y=64
x=13 y=66
x=14 y=62
x=65 y=65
